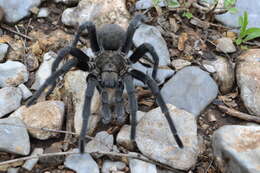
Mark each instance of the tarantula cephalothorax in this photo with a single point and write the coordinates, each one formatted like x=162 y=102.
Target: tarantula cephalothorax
x=110 y=69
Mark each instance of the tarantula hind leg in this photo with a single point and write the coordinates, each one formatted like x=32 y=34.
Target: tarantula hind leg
x=156 y=92
x=106 y=112
x=51 y=80
x=119 y=107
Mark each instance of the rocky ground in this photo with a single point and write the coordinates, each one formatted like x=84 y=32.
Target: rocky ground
x=204 y=77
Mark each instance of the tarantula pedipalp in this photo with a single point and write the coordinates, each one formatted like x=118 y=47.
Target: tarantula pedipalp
x=110 y=69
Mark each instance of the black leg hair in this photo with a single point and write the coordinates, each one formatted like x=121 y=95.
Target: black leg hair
x=106 y=113
x=140 y=52
x=92 y=83
x=119 y=108
x=128 y=80
x=65 y=68
x=130 y=32
x=156 y=92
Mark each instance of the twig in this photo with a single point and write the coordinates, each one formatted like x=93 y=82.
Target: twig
x=237 y=114
x=15 y=32
x=209 y=166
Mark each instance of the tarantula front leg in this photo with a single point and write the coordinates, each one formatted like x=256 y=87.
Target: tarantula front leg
x=52 y=79
x=141 y=51
x=106 y=112
x=119 y=108
x=128 y=80
x=92 y=83
x=156 y=92
x=133 y=25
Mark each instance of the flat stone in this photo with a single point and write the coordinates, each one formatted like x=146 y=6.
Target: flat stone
x=109 y=166
x=47 y=114
x=123 y=138
x=44 y=12
x=139 y=166
x=3 y=51
x=14 y=137
x=10 y=100
x=248 y=80
x=29 y=164
x=225 y=45
x=145 y=4
x=155 y=139
x=98 y=11
x=26 y=93
x=81 y=163
x=191 y=89
x=180 y=63
x=13 y=73
x=45 y=70
x=150 y=34
x=236 y=148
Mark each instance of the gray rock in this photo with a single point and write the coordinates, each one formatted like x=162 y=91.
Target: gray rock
x=31 y=62
x=236 y=148
x=15 y=10
x=81 y=163
x=13 y=73
x=3 y=51
x=67 y=2
x=13 y=170
x=180 y=63
x=211 y=3
x=44 y=12
x=231 y=19
x=190 y=89
x=109 y=166
x=223 y=73
x=145 y=4
x=162 y=74
x=26 y=93
x=10 y=100
x=139 y=166
x=155 y=140
x=78 y=78
x=98 y=11
x=47 y=114
x=14 y=137
x=150 y=34
x=29 y=164
x=248 y=80
x=123 y=138
x=139 y=116
x=225 y=45
x=45 y=70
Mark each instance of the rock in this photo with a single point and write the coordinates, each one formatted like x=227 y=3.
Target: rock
x=31 y=62
x=13 y=73
x=53 y=161
x=10 y=100
x=211 y=3
x=44 y=12
x=180 y=63
x=139 y=166
x=67 y=2
x=162 y=74
x=139 y=116
x=150 y=34
x=47 y=114
x=236 y=148
x=29 y=164
x=123 y=138
x=78 y=78
x=26 y=93
x=248 y=80
x=15 y=11
x=14 y=137
x=45 y=70
x=103 y=143
x=13 y=170
x=223 y=73
x=145 y=4
x=155 y=140
x=165 y=171
x=98 y=11
x=231 y=19
x=190 y=89
x=225 y=45
x=3 y=51
x=81 y=163
x=109 y=166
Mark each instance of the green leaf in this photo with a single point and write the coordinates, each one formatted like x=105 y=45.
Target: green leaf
x=229 y=3
x=238 y=41
x=252 y=36
x=187 y=15
x=173 y=3
x=244 y=25
x=233 y=10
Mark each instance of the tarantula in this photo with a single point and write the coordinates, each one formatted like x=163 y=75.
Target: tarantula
x=110 y=69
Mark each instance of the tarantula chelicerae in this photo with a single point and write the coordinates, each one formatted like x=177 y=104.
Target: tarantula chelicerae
x=110 y=69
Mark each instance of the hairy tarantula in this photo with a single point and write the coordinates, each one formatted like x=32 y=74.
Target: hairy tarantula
x=110 y=69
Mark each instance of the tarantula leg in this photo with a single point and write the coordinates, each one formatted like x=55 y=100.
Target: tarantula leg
x=92 y=35
x=156 y=92
x=106 y=113
x=128 y=80
x=120 y=111
x=92 y=83
x=65 y=68
x=140 y=52
x=133 y=25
